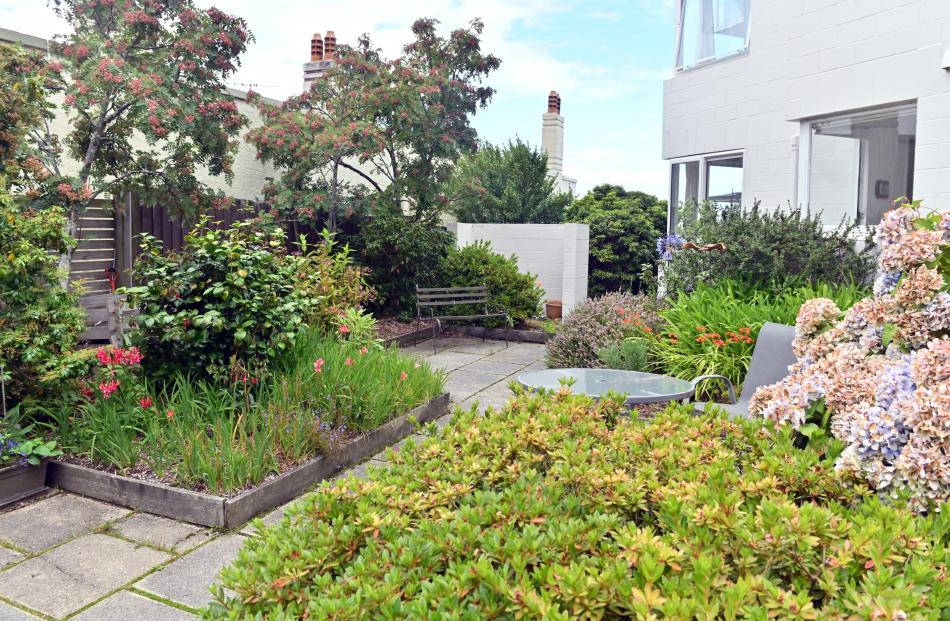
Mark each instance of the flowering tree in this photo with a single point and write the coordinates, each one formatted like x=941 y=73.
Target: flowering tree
x=880 y=372
x=313 y=136
x=143 y=84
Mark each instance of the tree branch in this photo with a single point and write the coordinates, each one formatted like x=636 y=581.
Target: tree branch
x=362 y=174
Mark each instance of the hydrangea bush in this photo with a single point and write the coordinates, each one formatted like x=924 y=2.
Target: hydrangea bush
x=882 y=369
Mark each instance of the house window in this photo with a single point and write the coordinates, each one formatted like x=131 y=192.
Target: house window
x=710 y=30
x=715 y=178
x=858 y=164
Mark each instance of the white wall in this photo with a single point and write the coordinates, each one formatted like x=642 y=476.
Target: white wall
x=811 y=58
x=556 y=253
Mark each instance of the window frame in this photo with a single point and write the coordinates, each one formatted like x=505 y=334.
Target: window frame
x=678 y=45
x=703 y=181
x=806 y=127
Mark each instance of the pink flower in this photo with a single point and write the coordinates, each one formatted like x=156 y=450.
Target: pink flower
x=170 y=414
x=318 y=365
x=344 y=329
x=363 y=349
x=403 y=376
x=133 y=356
x=348 y=362
x=107 y=388
x=145 y=402
x=103 y=356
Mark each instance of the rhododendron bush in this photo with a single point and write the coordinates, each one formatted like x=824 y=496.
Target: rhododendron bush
x=881 y=370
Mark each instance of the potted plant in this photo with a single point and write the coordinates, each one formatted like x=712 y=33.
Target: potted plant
x=23 y=463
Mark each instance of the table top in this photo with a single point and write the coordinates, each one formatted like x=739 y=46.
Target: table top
x=638 y=386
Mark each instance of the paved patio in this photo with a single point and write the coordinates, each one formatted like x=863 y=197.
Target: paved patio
x=70 y=557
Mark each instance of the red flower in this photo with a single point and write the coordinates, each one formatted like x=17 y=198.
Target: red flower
x=403 y=376
x=145 y=402
x=107 y=388
x=170 y=414
x=348 y=362
x=719 y=343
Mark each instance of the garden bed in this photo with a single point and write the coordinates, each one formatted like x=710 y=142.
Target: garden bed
x=21 y=481
x=231 y=511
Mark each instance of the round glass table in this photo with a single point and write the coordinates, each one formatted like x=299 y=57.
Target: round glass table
x=638 y=386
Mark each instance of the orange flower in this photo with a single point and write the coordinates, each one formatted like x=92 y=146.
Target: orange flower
x=719 y=343
x=701 y=328
x=403 y=376
x=648 y=329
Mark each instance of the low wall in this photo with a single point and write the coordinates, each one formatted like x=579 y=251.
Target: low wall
x=556 y=253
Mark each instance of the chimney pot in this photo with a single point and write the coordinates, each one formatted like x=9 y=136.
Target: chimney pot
x=316 y=48
x=554 y=102
x=329 y=47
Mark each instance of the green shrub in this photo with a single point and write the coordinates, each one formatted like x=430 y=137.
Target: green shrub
x=509 y=290
x=400 y=253
x=333 y=277
x=766 y=249
x=624 y=227
x=598 y=323
x=219 y=437
x=713 y=329
x=510 y=184
x=630 y=354
x=228 y=297
x=40 y=320
x=547 y=510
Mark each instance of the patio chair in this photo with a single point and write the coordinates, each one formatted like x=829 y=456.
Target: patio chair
x=770 y=361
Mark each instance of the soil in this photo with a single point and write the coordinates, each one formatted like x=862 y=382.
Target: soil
x=389 y=327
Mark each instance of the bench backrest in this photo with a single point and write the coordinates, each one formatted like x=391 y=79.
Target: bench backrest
x=770 y=359
x=451 y=296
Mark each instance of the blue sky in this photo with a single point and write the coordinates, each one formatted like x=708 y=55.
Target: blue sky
x=607 y=59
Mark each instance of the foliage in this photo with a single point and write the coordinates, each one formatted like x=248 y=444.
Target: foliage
x=624 y=227
x=509 y=290
x=766 y=249
x=510 y=184
x=597 y=323
x=151 y=68
x=630 y=354
x=40 y=320
x=333 y=277
x=878 y=373
x=219 y=437
x=229 y=296
x=21 y=446
x=401 y=253
x=357 y=327
x=397 y=125
x=712 y=331
x=545 y=509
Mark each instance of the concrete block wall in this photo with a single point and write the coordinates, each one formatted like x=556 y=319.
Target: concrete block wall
x=556 y=253
x=812 y=58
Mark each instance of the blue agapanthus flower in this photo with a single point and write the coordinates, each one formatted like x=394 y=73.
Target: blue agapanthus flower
x=667 y=244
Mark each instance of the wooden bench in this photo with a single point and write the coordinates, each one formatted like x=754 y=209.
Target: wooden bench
x=434 y=297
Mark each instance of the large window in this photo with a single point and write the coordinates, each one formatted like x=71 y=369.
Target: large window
x=858 y=164
x=714 y=178
x=710 y=30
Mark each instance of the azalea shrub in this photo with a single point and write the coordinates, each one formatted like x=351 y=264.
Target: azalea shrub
x=206 y=435
x=559 y=507
x=509 y=289
x=597 y=323
x=878 y=372
x=712 y=330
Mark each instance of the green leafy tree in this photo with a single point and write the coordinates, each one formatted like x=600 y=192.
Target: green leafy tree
x=624 y=227
x=510 y=184
x=144 y=88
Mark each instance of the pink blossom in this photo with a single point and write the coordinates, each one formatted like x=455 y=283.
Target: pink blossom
x=318 y=365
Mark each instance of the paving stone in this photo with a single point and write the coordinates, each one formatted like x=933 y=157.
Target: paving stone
x=478 y=347
x=46 y=523
x=161 y=532
x=125 y=605
x=75 y=574
x=188 y=579
x=451 y=360
x=9 y=613
x=518 y=355
x=487 y=365
x=8 y=556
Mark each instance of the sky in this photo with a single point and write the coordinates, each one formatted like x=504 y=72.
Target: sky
x=606 y=58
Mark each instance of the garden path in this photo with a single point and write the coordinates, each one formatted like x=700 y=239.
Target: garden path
x=70 y=557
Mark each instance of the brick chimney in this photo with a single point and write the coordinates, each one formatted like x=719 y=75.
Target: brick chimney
x=316 y=47
x=554 y=102
x=322 y=54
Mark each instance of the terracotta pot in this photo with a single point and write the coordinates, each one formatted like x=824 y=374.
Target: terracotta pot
x=552 y=308
x=19 y=482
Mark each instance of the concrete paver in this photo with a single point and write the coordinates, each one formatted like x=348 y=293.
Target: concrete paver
x=54 y=520
x=126 y=606
x=161 y=532
x=188 y=579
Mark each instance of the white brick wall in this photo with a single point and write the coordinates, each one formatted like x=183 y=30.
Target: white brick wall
x=810 y=58
x=556 y=253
